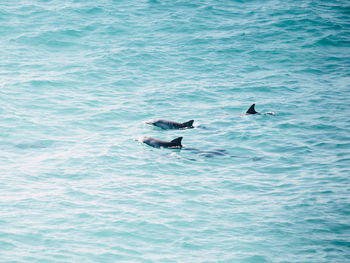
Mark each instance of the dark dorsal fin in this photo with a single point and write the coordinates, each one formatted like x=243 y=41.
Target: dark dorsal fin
x=177 y=141
x=188 y=123
x=251 y=110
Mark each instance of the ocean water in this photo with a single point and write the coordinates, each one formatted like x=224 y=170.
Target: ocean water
x=80 y=78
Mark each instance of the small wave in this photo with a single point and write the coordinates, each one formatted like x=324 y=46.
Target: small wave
x=35 y=145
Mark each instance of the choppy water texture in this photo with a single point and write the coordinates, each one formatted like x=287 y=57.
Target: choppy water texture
x=79 y=78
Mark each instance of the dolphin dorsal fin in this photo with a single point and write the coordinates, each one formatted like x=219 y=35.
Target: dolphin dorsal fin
x=252 y=110
x=188 y=123
x=177 y=141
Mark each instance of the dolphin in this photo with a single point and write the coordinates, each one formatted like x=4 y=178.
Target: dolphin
x=252 y=110
x=209 y=153
x=174 y=144
x=171 y=125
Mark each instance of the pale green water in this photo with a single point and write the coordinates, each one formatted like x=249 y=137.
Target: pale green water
x=79 y=78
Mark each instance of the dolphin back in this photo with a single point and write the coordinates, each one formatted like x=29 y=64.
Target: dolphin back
x=251 y=110
x=177 y=142
x=188 y=124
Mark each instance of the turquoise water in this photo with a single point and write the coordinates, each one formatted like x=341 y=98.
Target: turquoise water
x=80 y=78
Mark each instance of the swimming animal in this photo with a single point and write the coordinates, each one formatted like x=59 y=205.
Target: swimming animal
x=252 y=110
x=174 y=144
x=208 y=153
x=171 y=125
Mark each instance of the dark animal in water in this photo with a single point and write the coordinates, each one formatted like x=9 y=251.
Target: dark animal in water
x=171 y=125
x=252 y=110
x=174 y=144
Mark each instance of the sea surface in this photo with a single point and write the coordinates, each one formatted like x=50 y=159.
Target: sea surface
x=78 y=79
